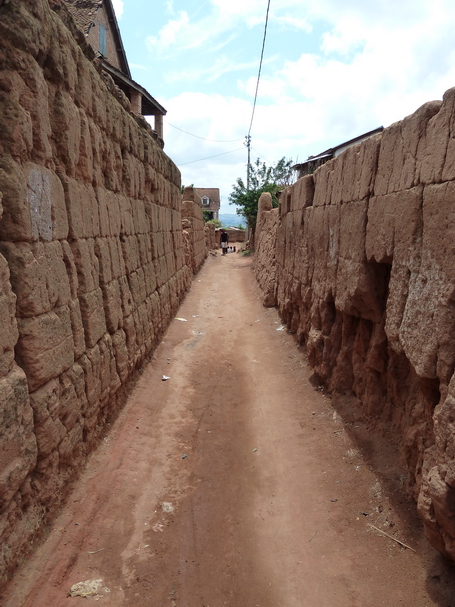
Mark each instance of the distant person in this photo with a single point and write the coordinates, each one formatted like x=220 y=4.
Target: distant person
x=224 y=241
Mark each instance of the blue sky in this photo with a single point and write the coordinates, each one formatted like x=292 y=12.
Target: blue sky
x=332 y=70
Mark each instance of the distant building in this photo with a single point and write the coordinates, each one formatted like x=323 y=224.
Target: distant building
x=96 y=19
x=210 y=198
x=313 y=162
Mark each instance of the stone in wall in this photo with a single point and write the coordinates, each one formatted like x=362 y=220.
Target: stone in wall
x=210 y=238
x=18 y=457
x=92 y=261
x=265 y=239
x=363 y=274
x=9 y=333
x=193 y=226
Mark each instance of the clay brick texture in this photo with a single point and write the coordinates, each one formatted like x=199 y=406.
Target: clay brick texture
x=92 y=260
x=359 y=258
x=194 y=231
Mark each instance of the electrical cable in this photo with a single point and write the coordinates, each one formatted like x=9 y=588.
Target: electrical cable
x=260 y=66
x=203 y=138
x=252 y=114
x=208 y=157
x=257 y=152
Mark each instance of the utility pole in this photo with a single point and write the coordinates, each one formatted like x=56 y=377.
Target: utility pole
x=248 y=145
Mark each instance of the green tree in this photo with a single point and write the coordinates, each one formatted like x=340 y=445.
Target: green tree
x=262 y=179
x=215 y=222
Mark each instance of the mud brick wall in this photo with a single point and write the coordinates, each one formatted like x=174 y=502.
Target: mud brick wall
x=92 y=263
x=210 y=239
x=265 y=263
x=193 y=229
x=235 y=235
x=365 y=276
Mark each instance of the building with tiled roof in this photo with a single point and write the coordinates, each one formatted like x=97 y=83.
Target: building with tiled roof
x=210 y=198
x=83 y=12
x=97 y=20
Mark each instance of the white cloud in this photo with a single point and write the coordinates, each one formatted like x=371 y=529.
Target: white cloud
x=222 y=122
x=223 y=65
x=211 y=116
x=118 y=8
x=225 y=16
x=369 y=73
x=295 y=22
x=395 y=14
x=170 y=34
x=362 y=65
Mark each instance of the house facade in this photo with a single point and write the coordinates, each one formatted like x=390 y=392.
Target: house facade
x=210 y=200
x=97 y=20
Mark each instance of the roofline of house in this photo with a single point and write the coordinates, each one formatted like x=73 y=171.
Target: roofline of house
x=120 y=49
x=153 y=103
x=204 y=192
x=332 y=151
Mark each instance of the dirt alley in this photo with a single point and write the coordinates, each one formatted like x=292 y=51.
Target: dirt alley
x=236 y=482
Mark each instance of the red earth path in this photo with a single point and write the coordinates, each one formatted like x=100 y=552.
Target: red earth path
x=235 y=483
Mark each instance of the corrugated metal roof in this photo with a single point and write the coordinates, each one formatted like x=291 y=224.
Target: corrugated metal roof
x=332 y=151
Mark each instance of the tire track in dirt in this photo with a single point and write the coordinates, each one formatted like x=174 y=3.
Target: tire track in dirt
x=234 y=483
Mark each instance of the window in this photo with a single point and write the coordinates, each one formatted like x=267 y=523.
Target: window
x=103 y=32
x=205 y=201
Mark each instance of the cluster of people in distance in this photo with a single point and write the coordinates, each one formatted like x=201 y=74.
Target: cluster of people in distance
x=225 y=243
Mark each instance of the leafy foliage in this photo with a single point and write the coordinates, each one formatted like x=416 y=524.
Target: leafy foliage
x=207 y=215
x=262 y=179
x=215 y=222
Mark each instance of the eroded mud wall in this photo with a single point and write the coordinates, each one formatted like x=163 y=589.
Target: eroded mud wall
x=210 y=239
x=92 y=264
x=194 y=233
x=365 y=275
x=234 y=234
x=265 y=262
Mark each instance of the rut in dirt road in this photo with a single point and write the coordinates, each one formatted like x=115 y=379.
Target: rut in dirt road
x=232 y=483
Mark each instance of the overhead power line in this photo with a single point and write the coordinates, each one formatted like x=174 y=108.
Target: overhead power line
x=203 y=138
x=260 y=66
x=257 y=152
x=208 y=157
x=248 y=137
